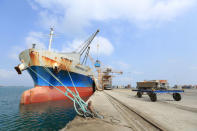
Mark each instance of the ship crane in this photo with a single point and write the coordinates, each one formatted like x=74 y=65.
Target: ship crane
x=85 y=47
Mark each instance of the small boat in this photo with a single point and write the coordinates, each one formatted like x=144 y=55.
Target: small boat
x=63 y=71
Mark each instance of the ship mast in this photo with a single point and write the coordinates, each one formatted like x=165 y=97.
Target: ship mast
x=51 y=37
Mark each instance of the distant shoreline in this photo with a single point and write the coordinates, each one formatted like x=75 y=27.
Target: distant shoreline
x=15 y=86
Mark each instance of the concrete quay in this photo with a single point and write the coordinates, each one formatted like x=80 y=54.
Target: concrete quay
x=122 y=110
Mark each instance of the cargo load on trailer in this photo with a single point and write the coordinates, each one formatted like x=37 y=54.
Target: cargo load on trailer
x=153 y=84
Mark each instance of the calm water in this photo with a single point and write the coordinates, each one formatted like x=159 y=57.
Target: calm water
x=42 y=116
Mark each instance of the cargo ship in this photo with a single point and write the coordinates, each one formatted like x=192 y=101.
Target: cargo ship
x=69 y=68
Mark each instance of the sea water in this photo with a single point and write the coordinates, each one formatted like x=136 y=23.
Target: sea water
x=42 y=116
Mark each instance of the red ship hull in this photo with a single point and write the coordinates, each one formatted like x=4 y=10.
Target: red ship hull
x=45 y=93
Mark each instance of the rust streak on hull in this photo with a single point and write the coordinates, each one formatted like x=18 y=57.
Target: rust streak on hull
x=34 y=56
x=47 y=61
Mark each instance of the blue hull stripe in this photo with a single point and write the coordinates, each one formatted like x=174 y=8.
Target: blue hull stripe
x=78 y=79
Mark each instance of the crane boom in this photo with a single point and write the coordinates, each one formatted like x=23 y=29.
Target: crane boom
x=86 y=44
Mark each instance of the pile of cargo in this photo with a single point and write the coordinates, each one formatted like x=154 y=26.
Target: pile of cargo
x=153 y=84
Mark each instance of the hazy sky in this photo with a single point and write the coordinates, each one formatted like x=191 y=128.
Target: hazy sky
x=147 y=39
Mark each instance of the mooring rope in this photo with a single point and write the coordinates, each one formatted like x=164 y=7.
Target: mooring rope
x=80 y=101
x=71 y=80
x=77 y=99
x=55 y=77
